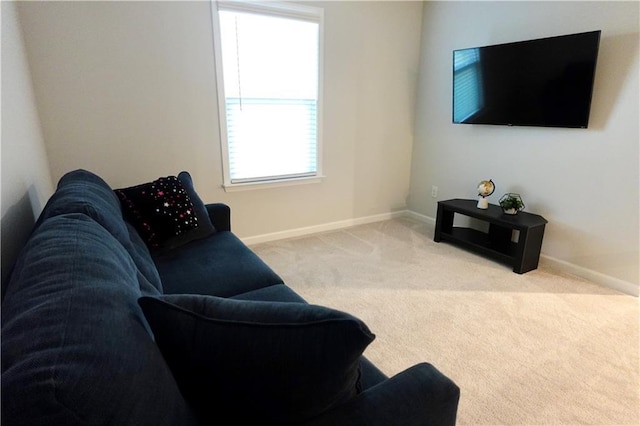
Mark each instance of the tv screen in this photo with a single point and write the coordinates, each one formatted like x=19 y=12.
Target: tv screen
x=544 y=82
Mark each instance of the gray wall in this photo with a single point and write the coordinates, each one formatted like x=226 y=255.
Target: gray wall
x=127 y=90
x=585 y=182
x=26 y=180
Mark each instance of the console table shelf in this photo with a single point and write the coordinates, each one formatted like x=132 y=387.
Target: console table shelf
x=523 y=255
x=479 y=242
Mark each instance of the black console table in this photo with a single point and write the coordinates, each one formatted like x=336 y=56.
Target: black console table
x=523 y=255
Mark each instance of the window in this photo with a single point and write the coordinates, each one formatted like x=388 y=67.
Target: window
x=268 y=62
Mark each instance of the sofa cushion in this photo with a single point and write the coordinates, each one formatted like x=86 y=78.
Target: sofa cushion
x=219 y=265
x=370 y=375
x=81 y=191
x=142 y=258
x=258 y=362
x=274 y=293
x=76 y=348
x=167 y=212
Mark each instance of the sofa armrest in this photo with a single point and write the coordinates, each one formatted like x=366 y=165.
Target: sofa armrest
x=220 y=215
x=418 y=396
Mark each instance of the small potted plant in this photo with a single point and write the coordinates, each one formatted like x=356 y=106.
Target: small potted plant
x=511 y=203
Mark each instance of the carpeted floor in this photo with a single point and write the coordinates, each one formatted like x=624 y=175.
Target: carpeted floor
x=540 y=348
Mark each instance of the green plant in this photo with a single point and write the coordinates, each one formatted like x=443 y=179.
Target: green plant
x=511 y=201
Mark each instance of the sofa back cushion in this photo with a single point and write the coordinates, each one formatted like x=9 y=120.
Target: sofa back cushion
x=220 y=265
x=76 y=348
x=81 y=191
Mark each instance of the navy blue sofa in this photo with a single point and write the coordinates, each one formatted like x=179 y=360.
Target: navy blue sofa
x=97 y=329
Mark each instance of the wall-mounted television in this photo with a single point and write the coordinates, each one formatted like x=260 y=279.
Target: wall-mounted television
x=545 y=82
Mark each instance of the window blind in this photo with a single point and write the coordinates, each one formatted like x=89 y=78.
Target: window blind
x=270 y=71
x=271 y=138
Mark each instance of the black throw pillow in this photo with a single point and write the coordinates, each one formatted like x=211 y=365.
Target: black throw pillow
x=258 y=362
x=167 y=212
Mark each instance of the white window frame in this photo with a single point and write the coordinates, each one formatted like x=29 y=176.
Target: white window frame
x=281 y=9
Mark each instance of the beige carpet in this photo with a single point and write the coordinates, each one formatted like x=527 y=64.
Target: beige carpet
x=541 y=348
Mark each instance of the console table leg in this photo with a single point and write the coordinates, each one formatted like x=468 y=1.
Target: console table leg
x=444 y=222
x=528 y=249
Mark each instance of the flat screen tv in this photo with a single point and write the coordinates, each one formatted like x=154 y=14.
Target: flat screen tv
x=545 y=82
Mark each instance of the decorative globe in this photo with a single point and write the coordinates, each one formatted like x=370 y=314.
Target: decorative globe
x=486 y=188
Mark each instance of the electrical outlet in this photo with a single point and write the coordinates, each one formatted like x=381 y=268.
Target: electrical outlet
x=434 y=191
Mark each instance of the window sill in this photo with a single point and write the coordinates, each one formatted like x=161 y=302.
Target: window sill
x=233 y=187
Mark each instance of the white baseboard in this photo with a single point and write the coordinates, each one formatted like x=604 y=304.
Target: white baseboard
x=420 y=217
x=563 y=266
x=591 y=275
x=332 y=226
